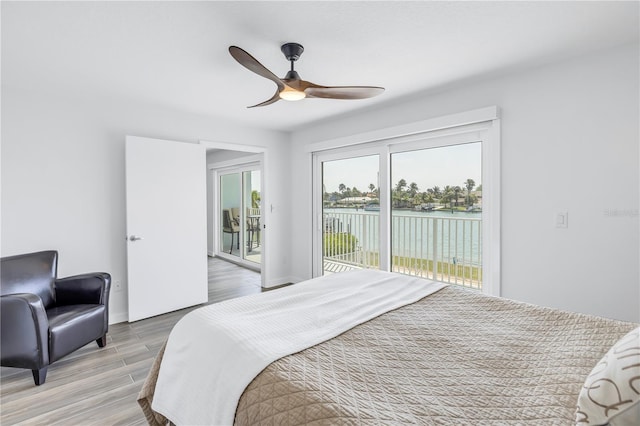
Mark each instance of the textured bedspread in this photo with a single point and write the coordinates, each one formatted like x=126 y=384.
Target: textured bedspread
x=455 y=357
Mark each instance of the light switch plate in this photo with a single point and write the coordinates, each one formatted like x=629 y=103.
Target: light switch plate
x=562 y=219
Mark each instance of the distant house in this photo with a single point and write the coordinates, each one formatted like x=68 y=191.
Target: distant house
x=355 y=200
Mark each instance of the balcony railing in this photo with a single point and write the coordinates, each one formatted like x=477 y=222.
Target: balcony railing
x=439 y=248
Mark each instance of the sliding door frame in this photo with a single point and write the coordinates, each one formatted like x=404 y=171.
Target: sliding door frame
x=475 y=126
x=383 y=187
x=217 y=217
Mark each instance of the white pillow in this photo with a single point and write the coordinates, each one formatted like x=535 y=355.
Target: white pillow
x=611 y=393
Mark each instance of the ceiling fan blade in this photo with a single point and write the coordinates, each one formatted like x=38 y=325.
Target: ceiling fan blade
x=342 y=92
x=274 y=98
x=252 y=64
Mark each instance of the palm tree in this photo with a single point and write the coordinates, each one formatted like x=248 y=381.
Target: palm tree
x=397 y=194
x=342 y=187
x=419 y=198
x=446 y=195
x=469 y=184
x=372 y=187
x=456 y=191
x=436 y=192
x=413 y=189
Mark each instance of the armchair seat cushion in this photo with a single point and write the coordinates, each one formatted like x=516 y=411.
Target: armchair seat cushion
x=73 y=326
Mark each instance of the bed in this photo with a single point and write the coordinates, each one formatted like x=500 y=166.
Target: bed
x=370 y=347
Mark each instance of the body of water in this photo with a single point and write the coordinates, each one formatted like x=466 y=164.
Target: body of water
x=442 y=235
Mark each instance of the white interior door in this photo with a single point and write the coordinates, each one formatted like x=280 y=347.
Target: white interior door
x=166 y=226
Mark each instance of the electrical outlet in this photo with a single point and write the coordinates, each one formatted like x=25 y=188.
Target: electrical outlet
x=117 y=285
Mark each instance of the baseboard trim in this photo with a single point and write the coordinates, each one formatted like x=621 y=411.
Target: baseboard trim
x=281 y=281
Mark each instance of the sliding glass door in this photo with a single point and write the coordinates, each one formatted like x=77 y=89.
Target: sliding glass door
x=350 y=214
x=240 y=224
x=412 y=205
x=436 y=213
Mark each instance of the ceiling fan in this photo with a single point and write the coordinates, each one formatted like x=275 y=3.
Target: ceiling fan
x=292 y=87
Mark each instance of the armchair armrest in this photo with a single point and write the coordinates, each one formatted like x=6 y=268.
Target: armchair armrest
x=24 y=331
x=85 y=288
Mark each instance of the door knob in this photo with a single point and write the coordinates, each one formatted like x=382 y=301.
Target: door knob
x=134 y=238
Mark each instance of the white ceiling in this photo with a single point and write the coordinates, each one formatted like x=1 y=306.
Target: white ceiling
x=174 y=54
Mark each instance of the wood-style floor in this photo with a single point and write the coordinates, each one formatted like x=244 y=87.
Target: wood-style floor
x=99 y=386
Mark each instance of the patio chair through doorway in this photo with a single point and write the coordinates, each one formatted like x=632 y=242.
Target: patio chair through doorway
x=230 y=226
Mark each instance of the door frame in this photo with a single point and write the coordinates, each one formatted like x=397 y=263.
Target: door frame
x=260 y=155
x=317 y=201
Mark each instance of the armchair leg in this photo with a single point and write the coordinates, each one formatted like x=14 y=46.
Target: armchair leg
x=102 y=342
x=39 y=376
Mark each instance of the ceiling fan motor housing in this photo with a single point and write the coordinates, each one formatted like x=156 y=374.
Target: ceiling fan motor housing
x=292 y=51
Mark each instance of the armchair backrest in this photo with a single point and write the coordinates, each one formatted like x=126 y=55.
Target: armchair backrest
x=33 y=273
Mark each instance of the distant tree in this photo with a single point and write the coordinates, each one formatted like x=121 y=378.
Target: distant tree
x=436 y=192
x=346 y=193
x=405 y=199
x=413 y=189
x=446 y=196
x=372 y=187
x=396 y=198
x=342 y=187
x=456 y=193
x=419 y=198
x=469 y=184
x=398 y=195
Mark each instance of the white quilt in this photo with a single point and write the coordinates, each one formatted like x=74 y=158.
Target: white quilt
x=214 y=352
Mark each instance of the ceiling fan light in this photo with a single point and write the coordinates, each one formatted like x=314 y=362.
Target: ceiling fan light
x=289 y=94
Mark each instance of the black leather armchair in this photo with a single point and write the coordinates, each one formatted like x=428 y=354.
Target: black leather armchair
x=43 y=318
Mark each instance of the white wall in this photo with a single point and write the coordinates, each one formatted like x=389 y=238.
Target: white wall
x=570 y=141
x=63 y=178
x=570 y=138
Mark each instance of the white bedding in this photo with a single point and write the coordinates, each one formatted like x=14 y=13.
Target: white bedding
x=214 y=352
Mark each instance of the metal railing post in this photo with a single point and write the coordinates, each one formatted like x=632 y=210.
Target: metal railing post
x=434 y=272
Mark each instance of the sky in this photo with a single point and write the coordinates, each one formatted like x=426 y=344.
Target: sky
x=450 y=165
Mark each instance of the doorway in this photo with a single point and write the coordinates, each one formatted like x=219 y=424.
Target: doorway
x=240 y=213
x=240 y=224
